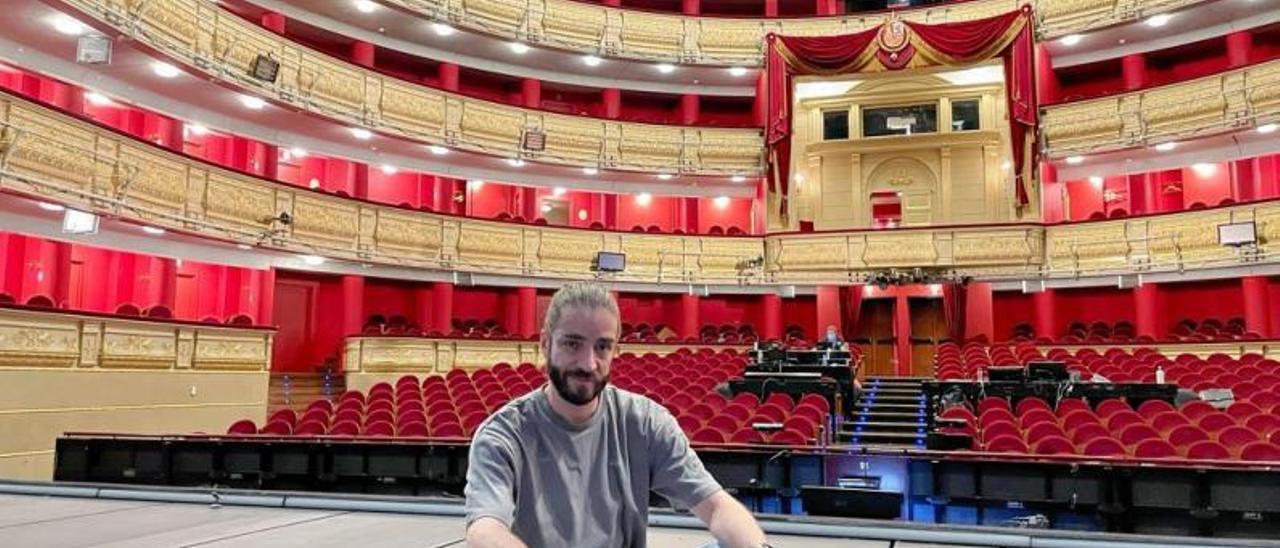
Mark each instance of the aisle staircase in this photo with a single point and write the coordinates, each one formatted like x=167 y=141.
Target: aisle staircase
x=890 y=411
x=297 y=390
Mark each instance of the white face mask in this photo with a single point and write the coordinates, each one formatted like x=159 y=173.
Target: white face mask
x=831 y=336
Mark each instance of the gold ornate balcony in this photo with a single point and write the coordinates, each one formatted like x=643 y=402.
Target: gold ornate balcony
x=58 y=158
x=573 y=25
x=1204 y=106
x=61 y=371
x=223 y=46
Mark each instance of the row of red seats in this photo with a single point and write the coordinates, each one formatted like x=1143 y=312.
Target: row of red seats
x=1252 y=377
x=1197 y=430
x=1122 y=332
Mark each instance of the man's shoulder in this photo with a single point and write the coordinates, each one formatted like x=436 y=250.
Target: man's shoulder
x=632 y=406
x=510 y=418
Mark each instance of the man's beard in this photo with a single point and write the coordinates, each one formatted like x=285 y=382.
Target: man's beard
x=576 y=394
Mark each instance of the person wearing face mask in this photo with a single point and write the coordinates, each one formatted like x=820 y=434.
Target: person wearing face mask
x=832 y=340
x=572 y=463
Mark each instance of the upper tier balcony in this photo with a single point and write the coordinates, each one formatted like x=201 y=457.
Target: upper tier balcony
x=224 y=47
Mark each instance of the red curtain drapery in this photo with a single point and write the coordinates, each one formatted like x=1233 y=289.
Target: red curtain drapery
x=896 y=45
x=954 y=309
x=851 y=310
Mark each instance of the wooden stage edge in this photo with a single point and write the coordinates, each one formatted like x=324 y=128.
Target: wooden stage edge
x=67 y=514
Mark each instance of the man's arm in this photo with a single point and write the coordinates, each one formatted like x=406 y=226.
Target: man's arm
x=729 y=521
x=490 y=489
x=487 y=532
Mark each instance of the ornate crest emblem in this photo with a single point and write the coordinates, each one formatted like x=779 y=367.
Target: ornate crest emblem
x=893 y=36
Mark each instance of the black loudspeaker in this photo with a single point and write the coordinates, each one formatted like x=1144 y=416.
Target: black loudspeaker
x=938 y=441
x=851 y=503
x=264 y=68
x=1047 y=371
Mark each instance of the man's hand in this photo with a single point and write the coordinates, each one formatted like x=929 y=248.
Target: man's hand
x=729 y=521
x=487 y=532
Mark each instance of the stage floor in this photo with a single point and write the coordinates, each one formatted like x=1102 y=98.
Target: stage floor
x=48 y=522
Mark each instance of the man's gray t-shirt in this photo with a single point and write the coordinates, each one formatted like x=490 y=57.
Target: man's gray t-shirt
x=555 y=484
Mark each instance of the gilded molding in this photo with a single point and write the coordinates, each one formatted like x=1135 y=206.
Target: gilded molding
x=60 y=339
x=633 y=34
x=1213 y=104
x=223 y=46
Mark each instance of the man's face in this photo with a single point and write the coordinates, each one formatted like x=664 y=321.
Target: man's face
x=831 y=334
x=579 y=352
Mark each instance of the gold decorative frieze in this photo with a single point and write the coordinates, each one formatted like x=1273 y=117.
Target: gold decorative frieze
x=571 y=24
x=1000 y=248
x=224 y=46
x=1214 y=104
x=37 y=338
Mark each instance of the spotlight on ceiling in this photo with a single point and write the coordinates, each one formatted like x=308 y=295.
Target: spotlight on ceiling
x=737 y=71
x=1159 y=20
x=442 y=29
x=1166 y=147
x=438 y=150
x=164 y=70
x=591 y=60
x=1070 y=40
x=518 y=48
x=361 y=133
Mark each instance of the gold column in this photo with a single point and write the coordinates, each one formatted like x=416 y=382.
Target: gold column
x=861 y=213
x=944 y=185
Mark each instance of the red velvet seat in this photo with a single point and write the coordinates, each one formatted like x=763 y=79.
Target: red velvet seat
x=1136 y=433
x=1005 y=444
x=1054 y=445
x=708 y=435
x=1208 y=450
x=1104 y=447
x=747 y=435
x=242 y=426
x=1235 y=437
x=1261 y=451
x=1154 y=449
x=788 y=437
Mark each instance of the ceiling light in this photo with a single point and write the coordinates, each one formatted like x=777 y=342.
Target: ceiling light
x=582 y=214
x=97 y=99
x=251 y=102
x=1095 y=180
x=665 y=68
x=590 y=171
x=50 y=207
x=438 y=150
x=1267 y=128
x=1070 y=40
x=591 y=60
x=314 y=184
x=518 y=48
x=475 y=184
x=721 y=201
x=298 y=152
x=1005 y=165
x=196 y=129
x=361 y=133
x=799 y=178
x=1157 y=21
x=245 y=247
x=1204 y=169
x=164 y=70
x=365 y=6
x=66 y=24
x=1166 y=147
x=312 y=260
x=737 y=71
x=643 y=198
x=442 y=29
x=388 y=169
x=546 y=208
x=737 y=178
x=1075 y=160
x=665 y=176
x=558 y=191
x=515 y=162
x=153 y=230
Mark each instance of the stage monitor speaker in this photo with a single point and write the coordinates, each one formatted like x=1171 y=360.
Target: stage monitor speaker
x=851 y=503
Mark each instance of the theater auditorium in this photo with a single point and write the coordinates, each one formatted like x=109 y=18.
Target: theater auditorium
x=858 y=273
